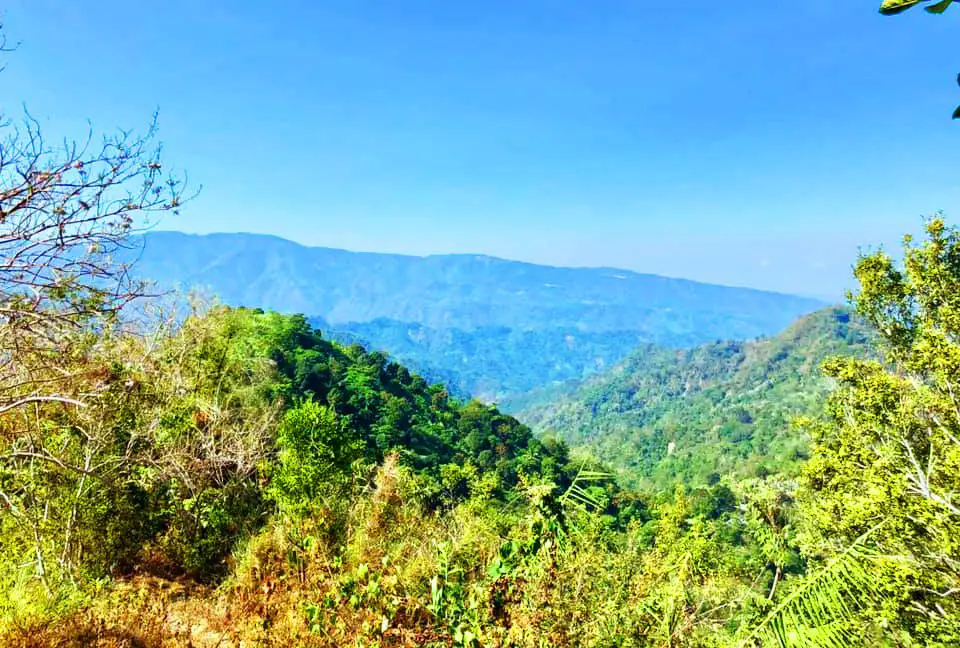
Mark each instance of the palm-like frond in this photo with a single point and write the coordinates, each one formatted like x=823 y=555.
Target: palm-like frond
x=577 y=492
x=818 y=613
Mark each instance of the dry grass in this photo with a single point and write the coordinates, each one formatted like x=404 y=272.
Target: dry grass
x=362 y=577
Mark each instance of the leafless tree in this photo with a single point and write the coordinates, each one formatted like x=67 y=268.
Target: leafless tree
x=69 y=213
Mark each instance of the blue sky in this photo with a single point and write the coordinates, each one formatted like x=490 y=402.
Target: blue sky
x=747 y=143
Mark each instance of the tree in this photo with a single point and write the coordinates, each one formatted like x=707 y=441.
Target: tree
x=68 y=212
x=68 y=385
x=880 y=500
x=892 y=7
x=315 y=453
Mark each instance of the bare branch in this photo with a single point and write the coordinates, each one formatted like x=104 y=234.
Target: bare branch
x=68 y=216
x=46 y=457
x=39 y=399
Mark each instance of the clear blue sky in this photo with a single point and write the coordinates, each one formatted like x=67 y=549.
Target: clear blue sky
x=750 y=143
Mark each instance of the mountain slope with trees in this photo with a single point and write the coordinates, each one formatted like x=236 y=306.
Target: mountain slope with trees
x=491 y=363
x=236 y=479
x=459 y=291
x=692 y=415
x=489 y=328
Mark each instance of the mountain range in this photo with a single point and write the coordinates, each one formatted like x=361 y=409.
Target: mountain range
x=491 y=328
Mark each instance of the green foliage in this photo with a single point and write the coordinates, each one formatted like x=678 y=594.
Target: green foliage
x=314 y=458
x=241 y=443
x=817 y=611
x=888 y=449
x=724 y=408
x=196 y=432
x=339 y=499
x=891 y=7
x=579 y=491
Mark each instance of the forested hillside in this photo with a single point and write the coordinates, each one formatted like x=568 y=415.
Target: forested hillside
x=179 y=438
x=491 y=363
x=181 y=471
x=724 y=408
x=459 y=291
x=235 y=479
x=489 y=328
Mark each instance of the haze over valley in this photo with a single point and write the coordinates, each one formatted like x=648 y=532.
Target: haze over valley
x=487 y=327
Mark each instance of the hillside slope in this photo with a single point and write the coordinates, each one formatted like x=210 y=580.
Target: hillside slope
x=459 y=291
x=664 y=415
x=490 y=363
x=487 y=327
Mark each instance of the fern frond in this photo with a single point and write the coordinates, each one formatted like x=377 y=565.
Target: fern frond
x=592 y=475
x=818 y=613
x=576 y=493
x=580 y=495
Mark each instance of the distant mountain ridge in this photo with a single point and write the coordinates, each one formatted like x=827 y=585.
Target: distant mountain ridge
x=461 y=291
x=438 y=310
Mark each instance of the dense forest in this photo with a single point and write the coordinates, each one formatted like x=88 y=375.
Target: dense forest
x=176 y=471
x=491 y=363
x=664 y=416
x=488 y=328
x=234 y=478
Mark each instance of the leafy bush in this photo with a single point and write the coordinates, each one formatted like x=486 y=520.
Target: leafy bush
x=314 y=457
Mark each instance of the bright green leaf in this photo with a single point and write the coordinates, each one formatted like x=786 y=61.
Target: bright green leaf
x=891 y=7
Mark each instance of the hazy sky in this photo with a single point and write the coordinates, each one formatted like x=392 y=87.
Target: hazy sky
x=750 y=143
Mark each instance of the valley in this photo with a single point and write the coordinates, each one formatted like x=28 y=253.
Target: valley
x=487 y=327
